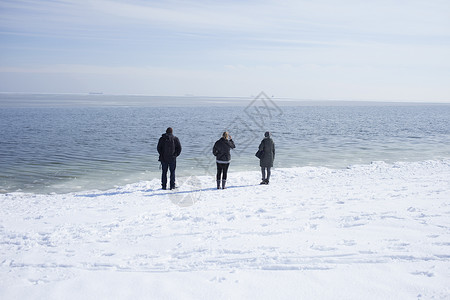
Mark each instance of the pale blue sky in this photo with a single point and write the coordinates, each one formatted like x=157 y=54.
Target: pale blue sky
x=346 y=50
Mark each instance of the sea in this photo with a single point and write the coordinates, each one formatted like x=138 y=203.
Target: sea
x=61 y=143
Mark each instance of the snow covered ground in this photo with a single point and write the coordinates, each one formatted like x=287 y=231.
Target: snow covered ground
x=378 y=231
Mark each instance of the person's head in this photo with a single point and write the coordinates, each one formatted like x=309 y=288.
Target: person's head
x=225 y=135
x=169 y=130
x=267 y=134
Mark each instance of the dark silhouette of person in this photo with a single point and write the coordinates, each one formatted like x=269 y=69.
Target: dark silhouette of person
x=169 y=148
x=266 y=161
x=221 y=150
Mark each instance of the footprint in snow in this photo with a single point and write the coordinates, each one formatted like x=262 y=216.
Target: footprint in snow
x=423 y=273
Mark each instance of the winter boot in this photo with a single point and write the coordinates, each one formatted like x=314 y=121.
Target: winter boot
x=218 y=184
x=266 y=181
x=263 y=181
x=223 y=184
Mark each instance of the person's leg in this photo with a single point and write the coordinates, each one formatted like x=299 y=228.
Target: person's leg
x=165 y=167
x=225 y=172
x=263 y=174
x=268 y=175
x=172 y=166
x=219 y=174
x=219 y=171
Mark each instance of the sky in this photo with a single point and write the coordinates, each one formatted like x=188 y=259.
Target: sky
x=303 y=49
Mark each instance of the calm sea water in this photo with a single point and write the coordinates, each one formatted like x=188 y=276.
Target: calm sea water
x=63 y=148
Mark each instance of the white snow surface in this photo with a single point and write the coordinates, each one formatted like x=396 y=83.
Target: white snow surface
x=378 y=231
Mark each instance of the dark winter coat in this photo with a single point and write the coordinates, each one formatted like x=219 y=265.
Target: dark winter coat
x=222 y=148
x=268 y=146
x=169 y=147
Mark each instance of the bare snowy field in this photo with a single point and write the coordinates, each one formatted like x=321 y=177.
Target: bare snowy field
x=375 y=231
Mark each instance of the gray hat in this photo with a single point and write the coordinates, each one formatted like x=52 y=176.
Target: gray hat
x=267 y=134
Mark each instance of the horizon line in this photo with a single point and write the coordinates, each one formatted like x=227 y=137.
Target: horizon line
x=280 y=98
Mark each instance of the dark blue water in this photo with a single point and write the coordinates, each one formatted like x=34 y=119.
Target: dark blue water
x=63 y=149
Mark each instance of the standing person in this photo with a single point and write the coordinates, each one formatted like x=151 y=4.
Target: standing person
x=169 y=148
x=221 y=150
x=266 y=161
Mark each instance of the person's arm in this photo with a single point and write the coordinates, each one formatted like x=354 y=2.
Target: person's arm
x=273 y=147
x=215 y=151
x=177 y=147
x=231 y=143
x=159 y=147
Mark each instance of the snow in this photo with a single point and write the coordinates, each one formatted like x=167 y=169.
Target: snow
x=378 y=231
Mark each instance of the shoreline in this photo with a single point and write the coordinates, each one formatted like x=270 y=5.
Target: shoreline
x=186 y=180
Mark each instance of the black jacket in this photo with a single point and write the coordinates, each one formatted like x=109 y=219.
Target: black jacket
x=222 y=148
x=169 y=147
x=268 y=146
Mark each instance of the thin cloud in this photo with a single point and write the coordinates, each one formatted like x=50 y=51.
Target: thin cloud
x=321 y=21
x=233 y=46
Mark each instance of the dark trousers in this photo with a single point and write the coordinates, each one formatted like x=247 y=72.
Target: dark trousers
x=263 y=172
x=168 y=165
x=222 y=170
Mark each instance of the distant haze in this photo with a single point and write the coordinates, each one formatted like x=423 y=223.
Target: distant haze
x=315 y=50
x=17 y=100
